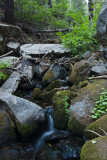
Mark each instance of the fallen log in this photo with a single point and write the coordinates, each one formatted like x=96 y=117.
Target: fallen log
x=99 y=77
x=6 y=54
x=32 y=30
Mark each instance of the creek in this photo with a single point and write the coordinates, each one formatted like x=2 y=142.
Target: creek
x=57 y=144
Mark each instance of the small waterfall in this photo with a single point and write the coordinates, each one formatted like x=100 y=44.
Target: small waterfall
x=41 y=141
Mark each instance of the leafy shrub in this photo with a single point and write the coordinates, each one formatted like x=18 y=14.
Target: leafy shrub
x=66 y=105
x=82 y=37
x=100 y=106
x=2 y=67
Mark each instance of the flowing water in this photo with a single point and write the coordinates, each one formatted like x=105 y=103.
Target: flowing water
x=42 y=139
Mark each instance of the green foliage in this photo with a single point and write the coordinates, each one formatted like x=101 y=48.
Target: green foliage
x=82 y=37
x=100 y=106
x=2 y=67
x=66 y=105
x=39 y=14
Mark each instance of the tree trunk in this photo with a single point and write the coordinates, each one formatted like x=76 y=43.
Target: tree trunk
x=90 y=9
x=9 y=11
x=50 y=3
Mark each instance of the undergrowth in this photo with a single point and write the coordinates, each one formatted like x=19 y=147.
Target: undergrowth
x=101 y=105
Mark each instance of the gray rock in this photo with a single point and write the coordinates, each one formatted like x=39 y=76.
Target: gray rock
x=43 y=49
x=57 y=135
x=99 y=69
x=11 y=84
x=102 y=24
x=86 y=55
x=26 y=115
x=13 y=46
x=41 y=68
x=54 y=72
x=82 y=105
x=27 y=68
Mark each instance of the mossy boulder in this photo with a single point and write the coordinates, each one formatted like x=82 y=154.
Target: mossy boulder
x=27 y=116
x=60 y=116
x=62 y=94
x=54 y=72
x=83 y=104
x=95 y=126
x=56 y=84
x=36 y=93
x=83 y=84
x=75 y=126
x=73 y=88
x=47 y=96
x=80 y=72
x=7 y=132
x=95 y=149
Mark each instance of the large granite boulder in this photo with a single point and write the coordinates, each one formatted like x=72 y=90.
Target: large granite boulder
x=95 y=149
x=26 y=115
x=82 y=106
x=102 y=24
x=8 y=32
x=38 y=50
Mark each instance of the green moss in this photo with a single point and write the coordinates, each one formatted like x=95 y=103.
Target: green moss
x=73 y=88
x=93 y=90
x=62 y=94
x=79 y=72
x=95 y=126
x=47 y=96
x=2 y=119
x=6 y=127
x=95 y=151
x=83 y=84
x=60 y=119
x=49 y=75
x=54 y=84
x=26 y=130
x=75 y=127
x=36 y=93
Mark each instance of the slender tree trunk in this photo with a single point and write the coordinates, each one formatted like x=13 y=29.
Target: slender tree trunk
x=50 y=3
x=9 y=11
x=90 y=9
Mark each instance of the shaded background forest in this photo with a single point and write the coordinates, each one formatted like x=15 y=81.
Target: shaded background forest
x=78 y=17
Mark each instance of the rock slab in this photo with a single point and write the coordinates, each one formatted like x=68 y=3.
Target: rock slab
x=43 y=49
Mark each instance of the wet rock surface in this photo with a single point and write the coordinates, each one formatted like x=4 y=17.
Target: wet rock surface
x=17 y=151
